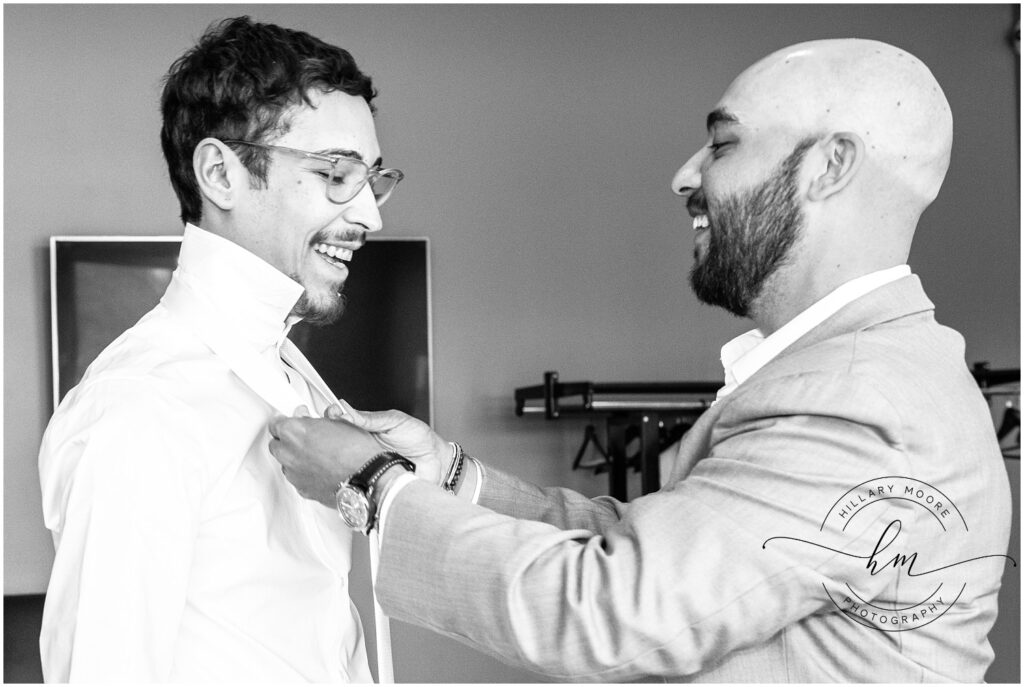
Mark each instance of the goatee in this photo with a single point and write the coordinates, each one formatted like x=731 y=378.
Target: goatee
x=323 y=311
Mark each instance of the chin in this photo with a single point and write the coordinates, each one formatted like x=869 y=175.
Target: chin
x=321 y=310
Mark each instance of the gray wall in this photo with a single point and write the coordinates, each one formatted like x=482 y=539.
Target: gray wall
x=538 y=144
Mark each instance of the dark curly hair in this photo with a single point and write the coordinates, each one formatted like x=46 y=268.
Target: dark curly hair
x=235 y=84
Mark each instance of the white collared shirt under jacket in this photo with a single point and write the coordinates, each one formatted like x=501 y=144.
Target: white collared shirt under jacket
x=750 y=351
x=182 y=553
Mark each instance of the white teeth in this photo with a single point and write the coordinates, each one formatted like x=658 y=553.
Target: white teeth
x=336 y=252
x=700 y=222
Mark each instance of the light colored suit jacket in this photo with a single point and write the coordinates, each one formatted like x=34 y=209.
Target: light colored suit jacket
x=742 y=568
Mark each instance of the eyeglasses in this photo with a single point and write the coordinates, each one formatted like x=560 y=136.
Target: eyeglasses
x=347 y=175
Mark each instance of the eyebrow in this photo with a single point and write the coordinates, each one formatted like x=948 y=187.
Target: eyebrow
x=344 y=152
x=721 y=116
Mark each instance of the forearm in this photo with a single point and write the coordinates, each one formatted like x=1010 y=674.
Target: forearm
x=570 y=603
x=504 y=493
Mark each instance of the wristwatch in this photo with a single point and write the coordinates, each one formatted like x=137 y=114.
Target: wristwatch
x=354 y=497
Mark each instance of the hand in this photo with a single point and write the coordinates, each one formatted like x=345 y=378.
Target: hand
x=405 y=435
x=317 y=455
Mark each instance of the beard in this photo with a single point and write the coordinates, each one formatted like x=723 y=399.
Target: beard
x=320 y=311
x=749 y=239
x=327 y=308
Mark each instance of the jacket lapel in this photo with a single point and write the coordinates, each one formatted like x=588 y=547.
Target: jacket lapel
x=901 y=298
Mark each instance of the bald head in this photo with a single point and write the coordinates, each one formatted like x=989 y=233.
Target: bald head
x=881 y=93
x=819 y=161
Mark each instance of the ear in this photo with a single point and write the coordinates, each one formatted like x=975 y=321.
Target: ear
x=217 y=172
x=844 y=152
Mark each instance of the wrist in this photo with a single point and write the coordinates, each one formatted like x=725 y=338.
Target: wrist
x=385 y=483
x=359 y=497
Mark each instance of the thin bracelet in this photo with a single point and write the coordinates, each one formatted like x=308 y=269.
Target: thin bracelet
x=479 y=478
x=446 y=475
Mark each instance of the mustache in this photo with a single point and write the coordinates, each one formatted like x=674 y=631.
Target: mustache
x=349 y=236
x=697 y=204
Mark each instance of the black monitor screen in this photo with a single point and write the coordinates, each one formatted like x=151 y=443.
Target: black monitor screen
x=376 y=356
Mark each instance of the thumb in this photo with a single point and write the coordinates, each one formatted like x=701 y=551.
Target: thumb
x=275 y=425
x=343 y=411
x=302 y=411
x=371 y=421
x=382 y=420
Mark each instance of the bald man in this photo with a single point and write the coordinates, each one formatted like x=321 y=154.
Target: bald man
x=840 y=514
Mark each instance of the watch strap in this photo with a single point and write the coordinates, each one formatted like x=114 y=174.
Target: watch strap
x=366 y=476
x=365 y=479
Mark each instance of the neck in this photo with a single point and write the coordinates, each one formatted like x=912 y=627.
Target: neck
x=782 y=298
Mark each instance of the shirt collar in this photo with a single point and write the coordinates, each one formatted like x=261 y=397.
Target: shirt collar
x=744 y=355
x=253 y=297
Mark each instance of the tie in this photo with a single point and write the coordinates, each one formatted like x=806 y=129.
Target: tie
x=303 y=390
x=305 y=379
x=315 y=393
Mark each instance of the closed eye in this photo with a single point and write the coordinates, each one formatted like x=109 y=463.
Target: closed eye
x=326 y=176
x=716 y=148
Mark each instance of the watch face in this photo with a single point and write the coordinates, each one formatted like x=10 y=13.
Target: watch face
x=353 y=507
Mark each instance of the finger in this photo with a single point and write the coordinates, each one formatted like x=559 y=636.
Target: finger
x=336 y=412
x=381 y=420
x=278 y=452
x=275 y=425
x=302 y=411
x=345 y=411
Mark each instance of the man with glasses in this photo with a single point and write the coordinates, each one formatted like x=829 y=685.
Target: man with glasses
x=182 y=553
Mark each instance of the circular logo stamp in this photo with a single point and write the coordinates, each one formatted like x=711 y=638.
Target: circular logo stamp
x=901 y=537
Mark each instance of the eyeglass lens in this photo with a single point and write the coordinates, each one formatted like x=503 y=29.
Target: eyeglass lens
x=348 y=177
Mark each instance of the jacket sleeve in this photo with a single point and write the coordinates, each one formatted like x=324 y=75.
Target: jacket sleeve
x=122 y=492
x=683 y=576
x=506 y=494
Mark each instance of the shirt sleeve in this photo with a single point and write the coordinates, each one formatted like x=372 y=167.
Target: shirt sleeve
x=679 y=580
x=127 y=484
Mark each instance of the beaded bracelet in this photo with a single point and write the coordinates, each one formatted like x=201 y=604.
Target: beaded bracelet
x=451 y=480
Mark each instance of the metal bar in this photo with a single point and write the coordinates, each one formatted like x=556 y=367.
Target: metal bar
x=992 y=393
x=525 y=394
x=617 y=471
x=641 y=406
x=650 y=468
x=986 y=376
x=656 y=387
x=620 y=406
x=550 y=395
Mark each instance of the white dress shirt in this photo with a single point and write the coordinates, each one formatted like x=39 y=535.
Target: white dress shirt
x=749 y=352
x=182 y=553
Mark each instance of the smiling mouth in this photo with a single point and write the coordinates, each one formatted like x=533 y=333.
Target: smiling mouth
x=335 y=255
x=700 y=222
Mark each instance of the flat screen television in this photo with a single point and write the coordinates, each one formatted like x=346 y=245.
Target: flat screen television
x=377 y=356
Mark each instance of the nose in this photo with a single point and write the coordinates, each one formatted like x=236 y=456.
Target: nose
x=363 y=211
x=688 y=178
